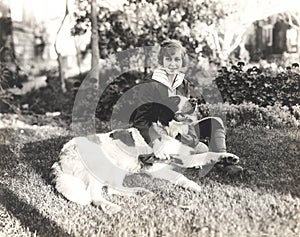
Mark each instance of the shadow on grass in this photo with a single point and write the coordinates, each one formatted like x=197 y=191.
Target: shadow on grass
x=8 y=160
x=41 y=155
x=28 y=215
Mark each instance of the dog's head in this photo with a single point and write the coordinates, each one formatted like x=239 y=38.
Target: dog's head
x=186 y=112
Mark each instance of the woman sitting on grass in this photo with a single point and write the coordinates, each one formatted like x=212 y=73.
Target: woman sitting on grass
x=161 y=104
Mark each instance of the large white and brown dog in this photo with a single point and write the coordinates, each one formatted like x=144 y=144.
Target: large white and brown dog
x=87 y=164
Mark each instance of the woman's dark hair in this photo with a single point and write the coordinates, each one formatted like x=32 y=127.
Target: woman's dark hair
x=167 y=47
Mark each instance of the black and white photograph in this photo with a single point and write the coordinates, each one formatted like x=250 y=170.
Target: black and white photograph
x=149 y=118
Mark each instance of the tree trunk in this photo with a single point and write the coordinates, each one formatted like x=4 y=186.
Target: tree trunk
x=95 y=37
x=61 y=72
x=59 y=56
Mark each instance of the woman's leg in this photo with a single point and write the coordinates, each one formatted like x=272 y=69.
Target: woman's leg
x=212 y=129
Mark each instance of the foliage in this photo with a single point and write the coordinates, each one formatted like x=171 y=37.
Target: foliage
x=10 y=77
x=248 y=113
x=40 y=101
x=144 y=23
x=256 y=86
x=10 y=72
x=208 y=28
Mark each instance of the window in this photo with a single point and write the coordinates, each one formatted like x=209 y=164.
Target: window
x=267 y=35
x=292 y=40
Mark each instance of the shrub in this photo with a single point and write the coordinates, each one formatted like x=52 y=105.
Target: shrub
x=249 y=113
x=256 y=86
x=10 y=78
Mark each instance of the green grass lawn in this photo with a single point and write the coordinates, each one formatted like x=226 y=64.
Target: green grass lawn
x=264 y=201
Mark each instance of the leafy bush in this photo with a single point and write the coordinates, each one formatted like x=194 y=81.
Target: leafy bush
x=256 y=86
x=10 y=73
x=252 y=114
x=10 y=78
x=146 y=23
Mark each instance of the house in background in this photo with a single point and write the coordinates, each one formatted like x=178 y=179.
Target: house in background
x=33 y=33
x=24 y=33
x=274 y=39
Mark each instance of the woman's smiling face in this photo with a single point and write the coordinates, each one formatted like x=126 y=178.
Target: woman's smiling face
x=172 y=61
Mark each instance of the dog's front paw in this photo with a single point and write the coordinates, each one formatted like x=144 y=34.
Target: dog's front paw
x=228 y=159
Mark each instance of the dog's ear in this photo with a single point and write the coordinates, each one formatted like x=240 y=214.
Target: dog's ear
x=184 y=105
x=124 y=136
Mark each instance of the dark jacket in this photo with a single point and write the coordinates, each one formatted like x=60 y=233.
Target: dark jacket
x=156 y=105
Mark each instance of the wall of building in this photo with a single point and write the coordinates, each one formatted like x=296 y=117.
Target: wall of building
x=23 y=39
x=268 y=39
